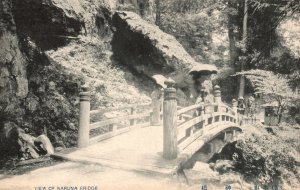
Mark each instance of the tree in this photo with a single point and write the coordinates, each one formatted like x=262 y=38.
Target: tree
x=244 y=48
x=272 y=87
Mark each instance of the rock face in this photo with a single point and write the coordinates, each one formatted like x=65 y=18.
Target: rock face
x=148 y=50
x=46 y=22
x=48 y=49
x=27 y=96
x=13 y=75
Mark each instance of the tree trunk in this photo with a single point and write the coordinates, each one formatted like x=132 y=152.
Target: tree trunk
x=158 y=13
x=244 y=49
x=232 y=35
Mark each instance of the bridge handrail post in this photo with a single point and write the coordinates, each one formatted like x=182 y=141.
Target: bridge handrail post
x=235 y=109
x=170 y=121
x=84 y=117
x=217 y=97
x=132 y=112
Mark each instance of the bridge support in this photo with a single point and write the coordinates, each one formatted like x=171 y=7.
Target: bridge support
x=84 y=117
x=170 y=122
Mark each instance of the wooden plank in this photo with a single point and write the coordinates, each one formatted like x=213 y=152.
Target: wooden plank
x=222 y=114
x=101 y=111
x=193 y=107
x=191 y=122
x=179 y=107
x=190 y=108
x=230 y=110
x=195 y=145
x=118 y=119
x=108 y=135
x=198 y=119
x=182 y=145
x=186 y=142
x=186 y=116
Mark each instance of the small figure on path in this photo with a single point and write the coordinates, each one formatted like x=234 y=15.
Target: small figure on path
x=241 y=105
x=250 y=106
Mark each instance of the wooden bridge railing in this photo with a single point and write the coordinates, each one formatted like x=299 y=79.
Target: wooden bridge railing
x=181 y=126
x=128 y=117
x=178 y=135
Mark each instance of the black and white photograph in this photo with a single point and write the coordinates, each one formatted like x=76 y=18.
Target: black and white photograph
x=149 y=94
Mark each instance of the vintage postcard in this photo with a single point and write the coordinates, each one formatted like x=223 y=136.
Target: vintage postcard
x=149 y=94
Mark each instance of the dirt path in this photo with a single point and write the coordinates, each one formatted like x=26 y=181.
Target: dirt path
x=68 y=175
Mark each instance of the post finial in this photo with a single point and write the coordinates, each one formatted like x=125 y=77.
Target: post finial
x=217 y=91
x=170 y=91
x=234 y=103
x=170 y=83
x=85 y=93
x=84 y=88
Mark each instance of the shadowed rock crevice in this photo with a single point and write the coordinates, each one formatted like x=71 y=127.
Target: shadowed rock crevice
x=148 y=50
x=45 y=22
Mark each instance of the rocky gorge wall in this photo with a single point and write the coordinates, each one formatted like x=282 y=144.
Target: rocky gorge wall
x=28 y=96
x=48 y=49
x=13 y=75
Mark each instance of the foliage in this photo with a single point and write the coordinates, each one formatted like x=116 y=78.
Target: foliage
x=273 y=87
x=271 y=35
x=260 y=160
x=199 y=26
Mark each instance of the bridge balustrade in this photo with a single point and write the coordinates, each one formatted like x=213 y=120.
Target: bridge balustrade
x=92 y=130
x=181 y=125
x=192 y=121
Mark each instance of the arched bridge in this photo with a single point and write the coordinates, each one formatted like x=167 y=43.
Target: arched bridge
x=146 y=138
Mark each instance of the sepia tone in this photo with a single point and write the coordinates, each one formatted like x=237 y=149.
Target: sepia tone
x=147 y=94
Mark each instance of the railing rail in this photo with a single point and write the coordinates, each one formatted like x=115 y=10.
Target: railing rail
x=193 y=120
x=105 y=110
x=181 y=125
x=116 y=120
x=217 y=113
x=129 y=117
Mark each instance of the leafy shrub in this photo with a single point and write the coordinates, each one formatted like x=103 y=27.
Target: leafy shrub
x=267 y=158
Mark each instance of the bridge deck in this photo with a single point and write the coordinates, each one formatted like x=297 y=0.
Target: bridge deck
x=139 y=149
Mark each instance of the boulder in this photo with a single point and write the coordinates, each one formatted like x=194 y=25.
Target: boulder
x=150 y=51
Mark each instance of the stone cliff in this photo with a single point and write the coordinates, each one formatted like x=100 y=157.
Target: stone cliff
x=49 y=48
